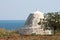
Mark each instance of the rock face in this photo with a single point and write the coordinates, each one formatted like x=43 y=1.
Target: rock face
x=34 y=19
x=32 y=25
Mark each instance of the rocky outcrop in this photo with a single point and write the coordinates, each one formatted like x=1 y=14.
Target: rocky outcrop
x=32 y=24
x=34 y=18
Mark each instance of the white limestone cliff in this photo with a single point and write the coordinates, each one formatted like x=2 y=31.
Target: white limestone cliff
x=34 y=18
x=32 y=26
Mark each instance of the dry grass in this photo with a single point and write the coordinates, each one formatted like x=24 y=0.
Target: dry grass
x=20 y=37
x=12 y=35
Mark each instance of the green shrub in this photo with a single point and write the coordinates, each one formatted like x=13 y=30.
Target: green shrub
x=33 y=34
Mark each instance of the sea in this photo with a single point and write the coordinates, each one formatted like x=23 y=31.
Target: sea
x=11 y=24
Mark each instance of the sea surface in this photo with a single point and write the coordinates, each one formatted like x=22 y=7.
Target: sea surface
x=11 y=24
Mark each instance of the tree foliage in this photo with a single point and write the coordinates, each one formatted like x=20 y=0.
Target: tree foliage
x=53 y=19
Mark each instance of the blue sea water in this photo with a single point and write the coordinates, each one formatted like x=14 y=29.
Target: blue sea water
x=11 y=24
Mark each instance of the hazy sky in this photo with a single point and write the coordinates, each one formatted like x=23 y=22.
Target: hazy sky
x=20 y=9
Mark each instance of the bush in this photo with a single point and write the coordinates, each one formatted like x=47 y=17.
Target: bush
x=33 y=34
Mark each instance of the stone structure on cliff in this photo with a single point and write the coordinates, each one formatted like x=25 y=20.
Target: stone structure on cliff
x=34 y=25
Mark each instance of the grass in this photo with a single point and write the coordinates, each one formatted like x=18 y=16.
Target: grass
x=14 y=35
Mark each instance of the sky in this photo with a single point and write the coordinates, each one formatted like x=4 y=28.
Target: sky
x=20 y=9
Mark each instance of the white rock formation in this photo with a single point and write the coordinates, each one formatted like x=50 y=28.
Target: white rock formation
x=34 y=18
x=31 y=25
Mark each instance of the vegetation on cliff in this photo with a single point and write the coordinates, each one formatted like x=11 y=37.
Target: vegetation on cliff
x=53 y=19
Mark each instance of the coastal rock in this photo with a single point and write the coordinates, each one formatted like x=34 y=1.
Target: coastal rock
x=34 y=25
x=34 y=18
